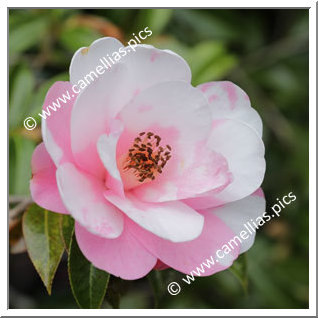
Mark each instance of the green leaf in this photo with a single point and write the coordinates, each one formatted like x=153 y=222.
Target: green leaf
x=155 y=19
x=170 y=43
x=158 y=286
x=12 y=163
x=239 y=270
x=27 y=35
x=22 y=149
x=204 y=24
x=88 y=283
x=202 y=54
x=217 y=70
x=20 y=96
x=73 y=38
x=67 y=228
x=42 y=236
x=113 y=297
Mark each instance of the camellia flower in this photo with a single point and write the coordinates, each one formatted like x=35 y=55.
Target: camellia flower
x=156 y=173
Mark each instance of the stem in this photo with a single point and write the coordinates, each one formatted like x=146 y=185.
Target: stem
x=20 y=207
x=13 y=199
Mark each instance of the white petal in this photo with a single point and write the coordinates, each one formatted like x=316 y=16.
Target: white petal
x=106 y=146
x=107 y=94
x=92 y=114
x=149 y=66
x=173 y=221
x=227 y=100
x=244 y=152
x=86 y=59
x=238 y=213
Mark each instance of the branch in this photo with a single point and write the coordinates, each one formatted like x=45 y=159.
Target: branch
x=20 y=207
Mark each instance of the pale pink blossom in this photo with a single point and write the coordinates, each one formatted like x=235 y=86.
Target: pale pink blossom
x=154 y=171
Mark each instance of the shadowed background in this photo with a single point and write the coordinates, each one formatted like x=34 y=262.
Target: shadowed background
x=265 y=52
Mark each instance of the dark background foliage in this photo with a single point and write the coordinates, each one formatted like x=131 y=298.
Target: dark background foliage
x=263 y=51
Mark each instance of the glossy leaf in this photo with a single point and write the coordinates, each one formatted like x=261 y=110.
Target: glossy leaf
x=67 y=229
x=88 y=283
x=113 y=297
x=43 y=240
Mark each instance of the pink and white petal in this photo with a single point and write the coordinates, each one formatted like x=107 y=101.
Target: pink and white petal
x=93 y=112
x=244 y=152
x=204 y=201
x=209 y=172
x=86 y=59
x=179 y=114
x=106 y=146
x=149 y=66
x=56 y=127
x=173 y=221
x=43 y=185
x=227 y=100
x=124 y=256
x=238 y=213
x=82 y=194
x=108 y=93
x=188 y=256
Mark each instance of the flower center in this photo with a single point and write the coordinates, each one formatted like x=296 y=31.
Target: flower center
x=146 y=158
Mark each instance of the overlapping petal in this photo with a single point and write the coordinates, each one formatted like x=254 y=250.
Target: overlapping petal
x=107 y=150
x=124 y=256
x=43 y=184
x=109 y=92
x=187 y=256
x=82 y=194
x=173 y=221
x=179 y=115
x=86 y=59
x=244 y=152
x=93 y=112
x=58 y=103
x=130 y=220
x=157 y=66
x=238 y=213
x=227 y=100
